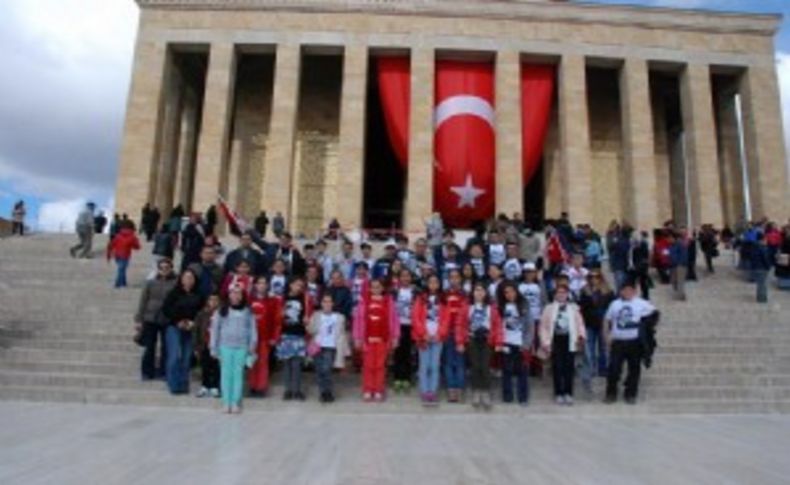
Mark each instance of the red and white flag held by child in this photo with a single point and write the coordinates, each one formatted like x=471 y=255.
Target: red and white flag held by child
x=237 y=224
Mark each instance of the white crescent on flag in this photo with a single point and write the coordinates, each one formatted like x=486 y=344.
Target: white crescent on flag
x=463 y=105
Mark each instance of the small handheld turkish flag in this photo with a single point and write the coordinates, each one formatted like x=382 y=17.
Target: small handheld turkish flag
x=464 y=142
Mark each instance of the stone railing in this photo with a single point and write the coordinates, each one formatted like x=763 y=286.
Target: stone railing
x=535 y=10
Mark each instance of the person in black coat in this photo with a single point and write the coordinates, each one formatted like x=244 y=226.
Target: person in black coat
x=211 y=220
x=192 y=241
x=342 y=300
x=245 y=252
x=180 y=308
x=261 y=223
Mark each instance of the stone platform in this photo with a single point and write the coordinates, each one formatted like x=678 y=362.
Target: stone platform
x=76 y=444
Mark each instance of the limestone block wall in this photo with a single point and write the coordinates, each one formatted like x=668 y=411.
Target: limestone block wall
x=251 y=120
x=606 y=147
x=317 y=141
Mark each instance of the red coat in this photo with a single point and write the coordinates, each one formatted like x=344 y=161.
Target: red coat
x=232 y=279
x=554 y=250
x=268 y=312
x=362 y=324
x=123 y=244
x=419 y=322
x=455 y=310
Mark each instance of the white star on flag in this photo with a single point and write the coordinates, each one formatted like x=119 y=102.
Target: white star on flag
x=467 y=193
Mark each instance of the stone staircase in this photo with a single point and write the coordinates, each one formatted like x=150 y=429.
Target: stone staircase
x=65 y=335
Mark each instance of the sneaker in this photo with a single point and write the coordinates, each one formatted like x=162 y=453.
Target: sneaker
x=560 y=400
x=367 y=397
x=214 y=392
x=568 y=400
x=226 y=409
x=378 y=397
x=235 y=410
x=477 y=400
x=288 y=396
x=299 y=396
x=523 y=404
x=73 y=253
x=203 y=392
x=485 y=401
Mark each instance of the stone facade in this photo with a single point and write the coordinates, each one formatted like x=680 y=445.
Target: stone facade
x=612 y=152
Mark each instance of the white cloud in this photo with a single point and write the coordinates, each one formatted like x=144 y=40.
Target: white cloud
x=59 y=215
x=783 y=67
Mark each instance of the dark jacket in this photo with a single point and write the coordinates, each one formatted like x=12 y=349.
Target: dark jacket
x=209 y=278
x=164 y=245
x=760 y=258
x=180 y=305
x=256 y=260
x=678 y=254
x=152 y=298
x=618 y=258
x=343 y=301
x=593 y=306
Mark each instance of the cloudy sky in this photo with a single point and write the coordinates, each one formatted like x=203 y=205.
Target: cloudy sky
x=66 y=70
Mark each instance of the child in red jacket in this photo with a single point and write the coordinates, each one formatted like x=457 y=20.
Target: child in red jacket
x=429 y=331
x=240 y=277
x=455 y=308
x=375 y=330
x=268 y=313
x=485 y=334
x=121 y=248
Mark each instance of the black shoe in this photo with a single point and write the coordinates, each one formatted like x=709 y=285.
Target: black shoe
x=330 y=397
x=630 y=400
x=610 y=400
x=288 y=396
x=299 y=396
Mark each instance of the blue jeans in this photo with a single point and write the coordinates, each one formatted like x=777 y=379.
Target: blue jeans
x=231 y=372
x=594 y=355
x=324 y=362
x=513 y=366
x=454 y=366
x=120 y=275
x=179 y=356
x=619 y=279
x=760 y=277
x=428 y=373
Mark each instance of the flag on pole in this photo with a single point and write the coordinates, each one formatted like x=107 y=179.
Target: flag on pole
x=237 y=224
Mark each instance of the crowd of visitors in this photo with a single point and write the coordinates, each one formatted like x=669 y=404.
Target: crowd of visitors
x=507 y=301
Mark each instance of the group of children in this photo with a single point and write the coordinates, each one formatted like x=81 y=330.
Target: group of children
x=455 y=314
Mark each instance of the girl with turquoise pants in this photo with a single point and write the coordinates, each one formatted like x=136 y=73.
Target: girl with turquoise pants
x=234 y=339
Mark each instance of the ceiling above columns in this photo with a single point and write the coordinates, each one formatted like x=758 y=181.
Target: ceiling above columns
x=540 y=10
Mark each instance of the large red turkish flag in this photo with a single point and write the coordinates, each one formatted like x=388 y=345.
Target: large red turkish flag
x=464 y=142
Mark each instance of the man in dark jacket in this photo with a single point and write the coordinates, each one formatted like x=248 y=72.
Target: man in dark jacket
x=245 y=252
x=342 y=299
x=209 y=273
x=761 y=265
x=261 y=223
x=150 y=322
x=192 y=240
x=678 y=264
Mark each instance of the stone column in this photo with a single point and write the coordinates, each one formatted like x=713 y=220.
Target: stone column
x=419 y=189
x=765 y=147
x=280 y=149
x=575 y=140
x=187 y=150
x=139 y=149
x=509 y=176
x=212 y=156
x=351 y=152
x=169 y=149
x=702 y=160
x=639 y=166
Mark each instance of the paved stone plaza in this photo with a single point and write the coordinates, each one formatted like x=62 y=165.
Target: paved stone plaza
x=64 y=444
